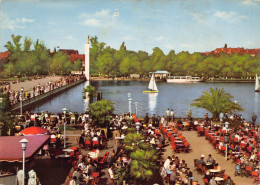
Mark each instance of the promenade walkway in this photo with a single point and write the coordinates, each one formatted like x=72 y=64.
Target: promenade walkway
x=28 y=85
x=200 y=145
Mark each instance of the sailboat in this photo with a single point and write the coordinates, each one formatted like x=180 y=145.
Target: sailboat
x=152 y=88
x=256 y=84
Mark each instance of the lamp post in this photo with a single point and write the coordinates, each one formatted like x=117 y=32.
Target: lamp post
x=24 y=144
x=137 y=125
x=129 y=101
x=136 y=103
x=1 y=102
x=235 y=104
x=21 y=101
x=64 y=110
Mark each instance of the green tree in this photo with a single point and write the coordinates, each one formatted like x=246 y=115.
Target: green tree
x=143 y=164
x=133 y=141
x=91 y=90
x=100 y=112
x=216 y=101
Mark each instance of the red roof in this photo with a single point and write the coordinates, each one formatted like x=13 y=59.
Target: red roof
x=4 y=55
x=74 y=57
x=33 y=131
x=11 y=148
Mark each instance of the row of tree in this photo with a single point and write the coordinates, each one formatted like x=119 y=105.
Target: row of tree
x=122 y=62
x=39 y=60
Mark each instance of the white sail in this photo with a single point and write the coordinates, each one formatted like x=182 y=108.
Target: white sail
x=256 y=82
x=152 y=84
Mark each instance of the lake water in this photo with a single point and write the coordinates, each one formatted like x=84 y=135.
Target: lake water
x=174 y=96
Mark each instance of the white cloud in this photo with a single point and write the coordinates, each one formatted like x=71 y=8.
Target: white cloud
x=102 y=13
x=169 y=46
x=70 y=37
x=247 y=2
x=102 y=18
x=12 y=24
x=229 y=16
x=160 y=38
x=92 y=22
x=185 y=45
x=250 y=2
x=128 y=37
x=25 y=20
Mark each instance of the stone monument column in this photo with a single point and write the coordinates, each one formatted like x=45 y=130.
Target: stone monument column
x=87 y=60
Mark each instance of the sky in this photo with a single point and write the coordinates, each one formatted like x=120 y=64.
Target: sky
x=180 y=25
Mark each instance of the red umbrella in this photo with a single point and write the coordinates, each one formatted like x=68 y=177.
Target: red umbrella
x=33 y=131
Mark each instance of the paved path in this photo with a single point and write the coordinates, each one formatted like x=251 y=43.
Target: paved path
x=28 y=85
x=200 y=145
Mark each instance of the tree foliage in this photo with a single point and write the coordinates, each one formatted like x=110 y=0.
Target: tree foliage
x=143 y=163
x=107 y=61
x=91 y=90
x=32 y=58
x=216 y=101
x=100 y=112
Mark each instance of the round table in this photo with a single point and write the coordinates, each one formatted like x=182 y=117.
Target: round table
x=67 y=150
x=214 y=170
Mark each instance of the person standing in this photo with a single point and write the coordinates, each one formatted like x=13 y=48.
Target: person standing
x=172 y=116
x=157 y=121
x=189 y=115
x=254 y=117
x=167 y=116
x=153 y=120
x=146 y=119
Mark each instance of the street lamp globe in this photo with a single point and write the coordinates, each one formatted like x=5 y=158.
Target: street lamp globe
x=137 y=125
x=24 y=143
x=64 y=110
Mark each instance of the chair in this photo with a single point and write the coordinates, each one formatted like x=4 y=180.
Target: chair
x=199 y=168
x=103 y=160
x=248 y=171
x=187 y=146
x=206 y=182
x=95 y=144
x=95 y=180
x=255 y=176
x=88 y=144
x=221 y=174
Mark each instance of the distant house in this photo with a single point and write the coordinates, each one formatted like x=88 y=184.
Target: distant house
x=135 y=76
x=225 y=49
x=160 y=74
x=4 y=56
x=74 y=56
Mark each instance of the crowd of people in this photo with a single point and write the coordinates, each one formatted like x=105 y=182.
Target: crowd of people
x=16 y=96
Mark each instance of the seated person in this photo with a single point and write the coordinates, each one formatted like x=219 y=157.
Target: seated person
x=201 y=160
x=111 y=172
x=80 y=159
x=77 y=176
x=95 y=138
x=82 y=166
x=207 y=176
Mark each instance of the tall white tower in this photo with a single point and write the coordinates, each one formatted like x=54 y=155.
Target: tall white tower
x=87 y=60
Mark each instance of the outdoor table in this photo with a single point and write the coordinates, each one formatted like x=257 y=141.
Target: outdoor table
x=219 y=179
x=63 y=157
x=214 y=171
x=209 y=165
x=93 y=155
x=67 y=150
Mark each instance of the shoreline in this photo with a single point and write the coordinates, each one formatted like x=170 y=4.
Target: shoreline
x=162 y=80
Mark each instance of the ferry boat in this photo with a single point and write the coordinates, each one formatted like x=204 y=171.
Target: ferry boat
x=183 y=79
